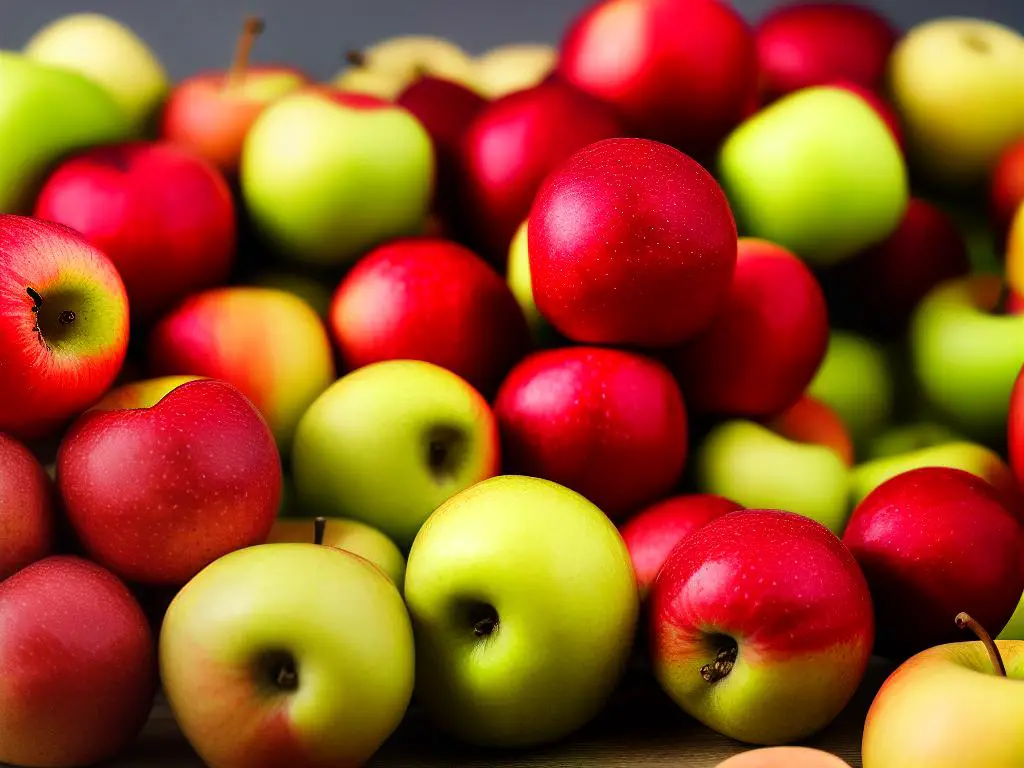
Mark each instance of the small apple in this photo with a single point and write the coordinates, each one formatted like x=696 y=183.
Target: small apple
x=1006 y=186
x=387 y=67
x=784 y=757
x=880 y=104
x=513 y=67
x=26 y=508
x=761 y=626
x=493 y=588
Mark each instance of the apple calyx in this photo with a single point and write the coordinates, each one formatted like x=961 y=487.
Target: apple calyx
x=964 y=621
x=484 y=618
x=725 y=660
x=252 y=28
x=64 y=318
x=278 y=671
x=446 y=447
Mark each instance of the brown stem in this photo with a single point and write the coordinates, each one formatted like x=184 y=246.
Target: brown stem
x=355 y=57
x=964 y=621
x=251 y=29
x=319 y=527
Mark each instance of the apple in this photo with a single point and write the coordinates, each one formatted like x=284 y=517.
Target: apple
x=679 y=72
x=163 y=215
x=761 y=626
x=654 y=278
x=287 y=654
x=1006 y=185
x=429 y=299
x=79 y=665
x=158 y=491
x=211 y=112
x=766 y=342
x=513 y=67
x=948 y=67
x=784 y=757
x=141 y=393
x=517 y=271
x=1015 y=428
x=493 y=589
x=1015 y=263
x=609 y=424
x=387 y=67
x=63 y=325
x=654 y=532
x=268 y=343
x=817 y=172
x=315 y=292
x=880 y=104
x=909 y=437
x=931 y=542
x=326 y=175
x=388 y=443
x=26 y=508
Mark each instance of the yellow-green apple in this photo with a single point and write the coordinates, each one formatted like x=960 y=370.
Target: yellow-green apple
x=387 y=67
x=653 y=533
x=326 y=175
x=1014 y=629
x=429 y=299
x=211 y=112
x=909 y=437
x=933 y=541
x=79 y=665
x=1015 y=262
x=388 y=443
x=496 y=607
x=45 y=113
x=512 y=67
x=287 y=654
x=967 y=354
x=609 y=424
x=832 y=183
x=110 y=54
x=653 y=278
x=746 y=643
x=163 y=215
x=784 y=757
x=157 y=491
x=268 y=343
x=945 y=68
x=517 y=273
x=63 y=324
x=764 y=344
x=682 y=73
x=141 y=393
x=26 y=508
x=1006 y=187
x=798 y=461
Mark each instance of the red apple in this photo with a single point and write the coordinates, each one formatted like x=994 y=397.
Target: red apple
x=63 y=325
x=78 y=661
x=631 y=242
x=812 y=422
x=26 y=508
x=655 y=531
x=158 y=492
x=512 y=146
x=680 y=72
x=934 y=542
x=434 y=300
x=877 y=102
x=1006 y=191
x=765 y=344
x=609 y=424
x=1015 y=439
x=163 y=215
x=802 y=44
x=761 y=626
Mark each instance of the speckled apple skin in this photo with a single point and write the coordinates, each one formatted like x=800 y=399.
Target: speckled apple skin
x=26 y=508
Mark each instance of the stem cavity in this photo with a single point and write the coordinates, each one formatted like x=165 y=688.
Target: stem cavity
x=725 y=660
x=964 y=621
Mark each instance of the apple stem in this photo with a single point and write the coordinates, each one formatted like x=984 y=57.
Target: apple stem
x=355 y=57
x=319 y=527
x=251 y=29
x=724 y=661
x=964 y=621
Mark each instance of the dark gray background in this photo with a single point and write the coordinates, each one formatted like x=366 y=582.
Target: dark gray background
x=189 y=35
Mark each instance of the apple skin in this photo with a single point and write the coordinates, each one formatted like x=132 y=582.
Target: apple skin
x=1015 y=428
x=156 y=493
x=880 y=104
x=143 y=393
x=784 y=757
x=804 y=642
x=434 y=300
x=268 y=343
x=512 y=67
x=766 y=342
x=517 y=273
x=163 y=215
x=653 y=533
x=386 y=68
x=26 y=508
x=332 y=615
x=1006 y=187
x=609 y=424
x=909 y=437
x=682 y=73
x=655 y=278
x=79 y=665
x=1015 y=262
x=51 y=374
x=496 y=607
x=925 y=710
x=512 y=146
x=933 y=542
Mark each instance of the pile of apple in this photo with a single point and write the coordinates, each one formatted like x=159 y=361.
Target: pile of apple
x=467 y=384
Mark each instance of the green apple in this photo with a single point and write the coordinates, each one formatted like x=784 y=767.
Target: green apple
x=967 y=355
x=817 y=172
x=905 y=438
x=390 y=442
x=110 y=54
x=386 y=68
x=287 y=654
x=521 y=283
x=956 y=84
x=327 y=175
x=45 y=114
x=513 y=67
x=312 y=291
x=524 y=605
x=1014 y=630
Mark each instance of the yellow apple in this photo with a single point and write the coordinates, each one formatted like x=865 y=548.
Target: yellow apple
x=513 y=67
x=386 y=68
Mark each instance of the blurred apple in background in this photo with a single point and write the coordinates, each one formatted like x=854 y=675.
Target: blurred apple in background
x=680 y=241
x=493 y=588
x=909 y=437
x=784 y=757
x=878 y=102
x=1006 y=188
x=760 y=650
x=1015 y=263
x=63 y=325
x=1015 y=437
x=513 y=67
x=315 y=292
x=517 y=271
x=606 y=423
x=26 y=508
x=389 y=66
